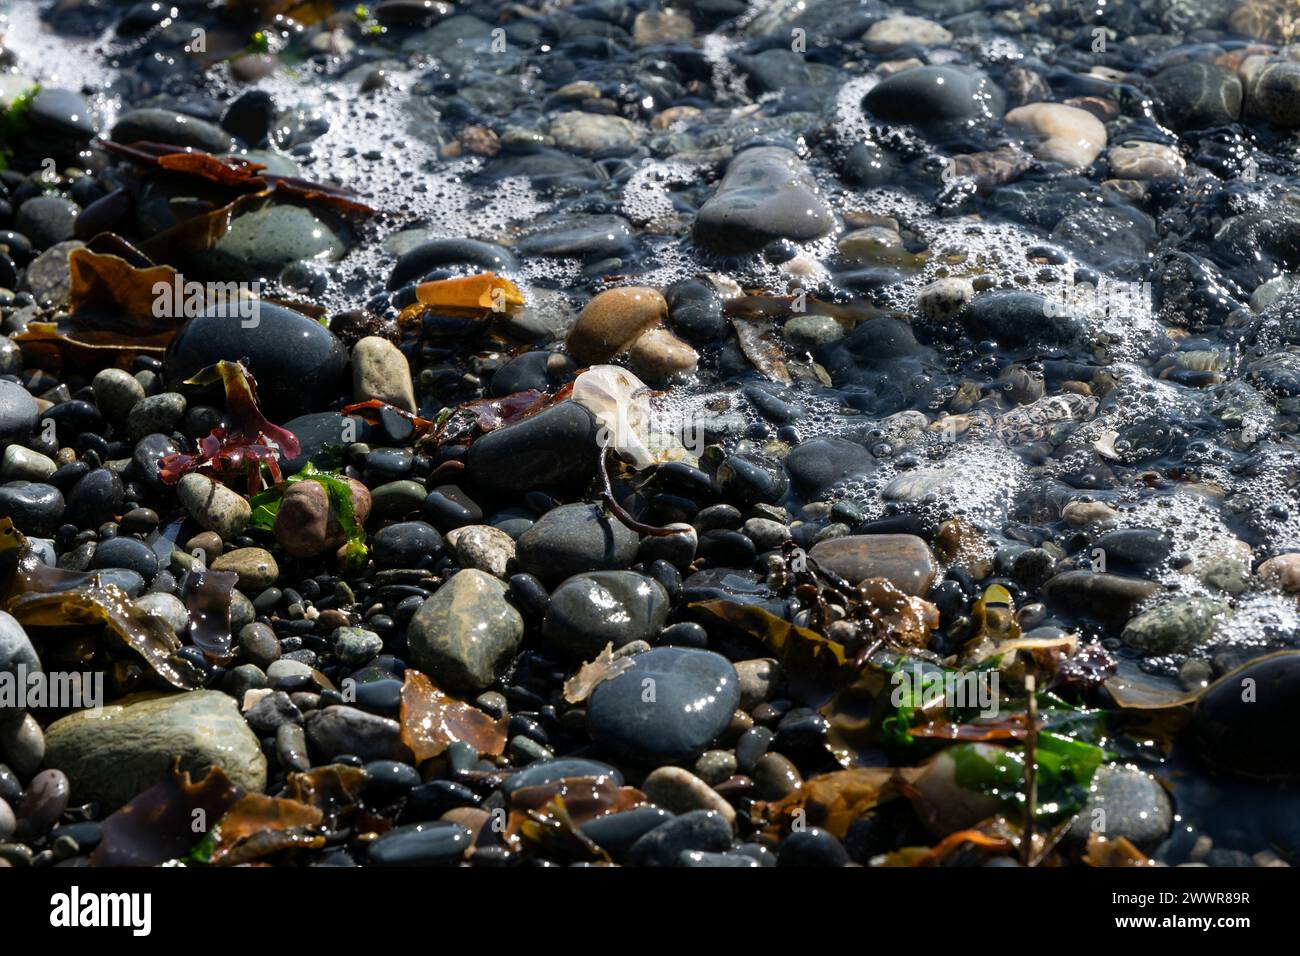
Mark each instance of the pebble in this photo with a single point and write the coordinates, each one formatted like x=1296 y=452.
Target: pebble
x=157 y=414
x=1070 y=136
x=466 y=633
x=299 y=364
x=380 y=371
x=1241 y=719
x=903 y=559
x=1177 y=626
x=1145 y=161
x=484 y=548
x=17 y=412
x=943 y=299
x=1273 y=91
x=900 y=29
x=1198 y=95
x=669 y=705
x=593 y=609
x=1125 y=803
x=42 y=803
x=680 y=791
x=339 y=729
x=928 y=95
x=766 y=194
x=574 y=538
x=545 y=451
x=700 y=830
x=256 y=567
x=214 y=506
x=169 y=126
x=406 y=544
x=23 y=464
x=128 y=747
x=593 y=133
x=1282 y=572
x=421 y=844
x=612 y=321
x=116 y=393
x=306 y=524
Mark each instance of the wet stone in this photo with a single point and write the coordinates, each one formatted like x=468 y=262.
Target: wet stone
x=904 y=560
x=574 y=538
x=670 y=704
x=591 y=610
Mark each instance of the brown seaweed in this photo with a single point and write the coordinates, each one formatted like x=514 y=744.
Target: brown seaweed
x=432 y=720
x=158 y=825
x=41 y=596
x=207 y=598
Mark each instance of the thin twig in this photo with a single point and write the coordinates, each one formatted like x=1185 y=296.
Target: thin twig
x=1031 y=773
x=619 y=512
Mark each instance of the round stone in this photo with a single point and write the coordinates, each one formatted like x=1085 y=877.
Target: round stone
x=669 y=705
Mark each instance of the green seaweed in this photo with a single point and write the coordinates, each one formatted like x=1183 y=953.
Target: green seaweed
x=1065 y=771
x=267 y=504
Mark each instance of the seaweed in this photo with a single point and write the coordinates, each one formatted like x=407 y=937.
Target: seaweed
x=244 y=440
x=38 y=595
x=433 y=720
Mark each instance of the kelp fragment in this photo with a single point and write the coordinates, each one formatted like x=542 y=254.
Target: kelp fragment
x=1117 y=852
x=373 y=409
x=759 y=341
x=547 y=817
x=244 y=440
x=108 y=283
x=237 y=174
x=158 y=824
x=206 y=595
x=579 y=687
x=833 y=801
x=478 y=294
x=234 y=171
x=38 y=595
x=334 y=789
x=433 y=720
x=259 y=826
x=806 y=657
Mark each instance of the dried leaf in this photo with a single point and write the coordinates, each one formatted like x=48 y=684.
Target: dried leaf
x=158 y=825
x=579 y=687
x=432 y=721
